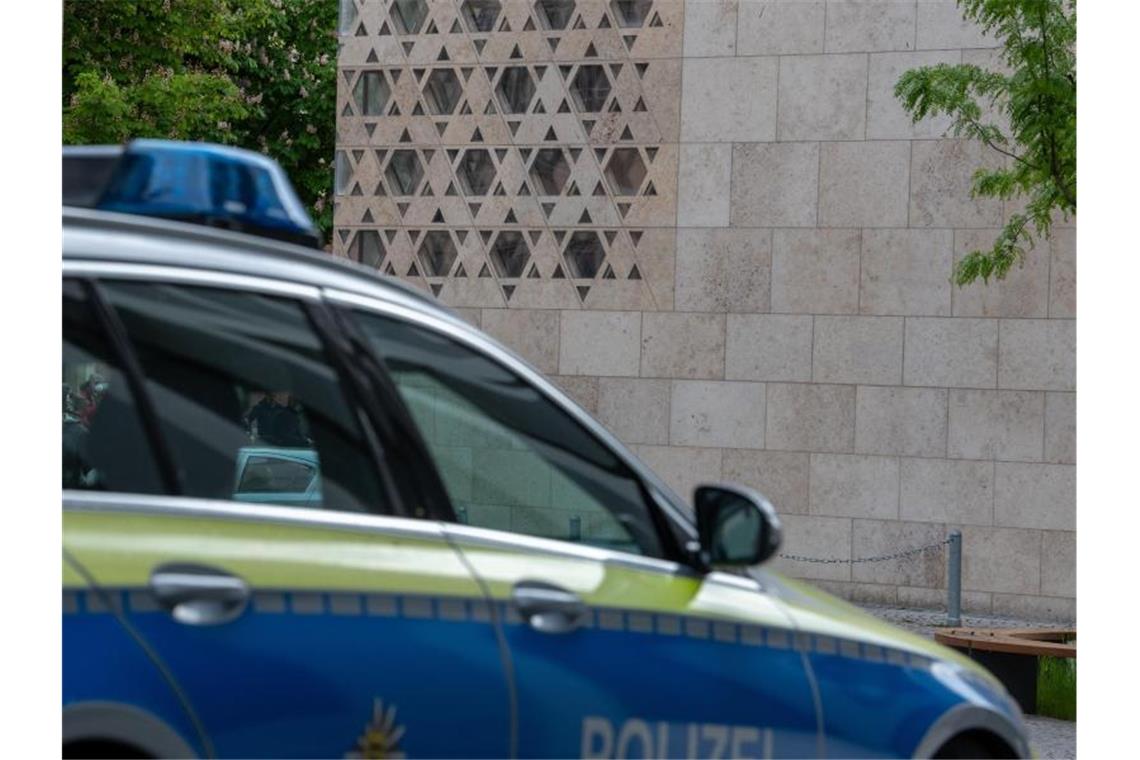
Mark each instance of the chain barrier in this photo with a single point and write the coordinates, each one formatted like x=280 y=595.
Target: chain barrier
x=858 y=560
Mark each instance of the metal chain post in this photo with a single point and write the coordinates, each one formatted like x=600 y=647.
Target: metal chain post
x=954 y=581
x=880 y=558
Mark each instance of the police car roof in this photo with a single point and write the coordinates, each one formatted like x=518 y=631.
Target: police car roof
x=106 y=236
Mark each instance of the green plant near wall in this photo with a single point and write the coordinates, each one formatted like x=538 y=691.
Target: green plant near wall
x=1057 y=687
x=1036 y=96
x=260 y=74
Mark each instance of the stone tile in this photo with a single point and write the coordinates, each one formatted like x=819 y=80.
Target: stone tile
x=470 y=316
x=838 y=589
x=689 y=346
x=775 y=184
x=1035 y=496
x=778 y=27
x=600 y=343
x=583 y=390
x=941 y=176
x=973 y=602
x=1024 y=292
x=703 y=190
x=1038 y=354
x=710 y=28
x=1035 y=607
x=682 y=468
x=1061 y=428
x=532 y=333
x=874 y=538
x=1002 y=560
x=900 y=421
x=717 y=413
x=873 y=594
x=815 y=271
x=768 y=347
x=782 y=476
x=803 y=417
x=723 y=270
x=1006 y=425
x=951 y=352
x=1059 y=563
x=886 y=118
x=858 y=26
x=1063 y=273
x=858 y=350
x=906 y=272
x=850 y=485
x=947 y=491
x=822 y=97
x=863 y=184
x=637 y=411
x=728 y=100
x=940 y=26
x=817 y=537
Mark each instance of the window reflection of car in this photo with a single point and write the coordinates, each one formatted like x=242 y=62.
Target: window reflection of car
x=278 y=476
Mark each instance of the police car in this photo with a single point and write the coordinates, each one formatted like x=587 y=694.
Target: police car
x=483 y=570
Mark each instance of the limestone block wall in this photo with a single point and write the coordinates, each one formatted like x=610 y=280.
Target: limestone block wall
x=711 y=222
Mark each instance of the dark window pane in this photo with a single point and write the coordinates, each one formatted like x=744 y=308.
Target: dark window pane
x=480 y=15
x=234 y=375
x=549 y=171
x=590 y=89
x=516 y=88
x=584 y=254
x=442 y=91
x=554 y=14
x=509 y=458
x=408 y=15
x=371 y=93
x=404 y=172
x=104 y=446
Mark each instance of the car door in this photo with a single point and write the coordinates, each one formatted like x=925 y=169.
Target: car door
x=618 y=648
x=110 y=681
x=330 y=629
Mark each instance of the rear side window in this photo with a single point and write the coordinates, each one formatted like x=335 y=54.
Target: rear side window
x=104 y=445
x=247 y=398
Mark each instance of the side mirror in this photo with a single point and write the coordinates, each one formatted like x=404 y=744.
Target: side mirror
x=737 y=526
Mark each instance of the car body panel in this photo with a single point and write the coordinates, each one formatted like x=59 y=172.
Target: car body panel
x=316 y=665
x=666 y=663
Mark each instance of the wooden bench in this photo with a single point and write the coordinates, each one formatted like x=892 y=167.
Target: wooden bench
x=1011 y=654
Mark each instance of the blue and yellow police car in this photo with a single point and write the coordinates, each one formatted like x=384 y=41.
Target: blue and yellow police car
x=310 y=512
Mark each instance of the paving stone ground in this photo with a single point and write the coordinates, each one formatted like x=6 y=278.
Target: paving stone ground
x=1052 y=739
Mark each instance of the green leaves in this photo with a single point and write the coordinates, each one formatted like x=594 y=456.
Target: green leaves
x=1027 y=113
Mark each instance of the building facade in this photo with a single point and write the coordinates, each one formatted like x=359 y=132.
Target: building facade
x=712 y=223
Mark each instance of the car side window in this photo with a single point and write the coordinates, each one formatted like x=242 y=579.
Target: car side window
x=105 y=447
x=508 y=457
x=245 y=395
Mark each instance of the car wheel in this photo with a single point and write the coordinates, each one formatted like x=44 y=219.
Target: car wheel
x=973 y=745
x=101 y=748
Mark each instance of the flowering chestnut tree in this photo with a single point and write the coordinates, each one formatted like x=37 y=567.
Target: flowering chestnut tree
x=260 y=74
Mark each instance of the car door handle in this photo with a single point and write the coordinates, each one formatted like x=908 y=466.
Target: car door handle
x=547 y=608
x=199 y=595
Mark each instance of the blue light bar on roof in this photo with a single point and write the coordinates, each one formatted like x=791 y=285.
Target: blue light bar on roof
x=209 y=184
